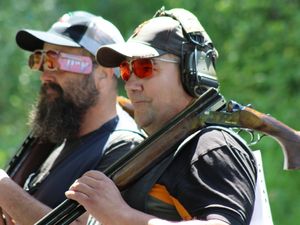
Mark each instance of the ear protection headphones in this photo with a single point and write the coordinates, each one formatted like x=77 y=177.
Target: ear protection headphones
x=198 y=65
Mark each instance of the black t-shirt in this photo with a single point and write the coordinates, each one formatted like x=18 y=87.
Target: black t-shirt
x=75 y=157
x=212 y=177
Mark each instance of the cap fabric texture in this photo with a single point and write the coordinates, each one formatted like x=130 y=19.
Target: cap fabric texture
x=155 y=37
x=74 y=29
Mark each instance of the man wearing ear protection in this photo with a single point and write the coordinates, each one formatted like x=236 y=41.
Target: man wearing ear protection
x=76 y=112
x=166 y=64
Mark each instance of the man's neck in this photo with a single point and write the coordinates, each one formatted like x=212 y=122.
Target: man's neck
x=95 y=117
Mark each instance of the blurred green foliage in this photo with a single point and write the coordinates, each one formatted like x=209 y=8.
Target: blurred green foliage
x=258 y=44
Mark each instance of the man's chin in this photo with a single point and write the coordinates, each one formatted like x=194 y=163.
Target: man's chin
x=142 y=119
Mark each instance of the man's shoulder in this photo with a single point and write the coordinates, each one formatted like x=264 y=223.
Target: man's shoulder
x=125 y=120
x=215 y=137
x=126 y=133
x=127 y=127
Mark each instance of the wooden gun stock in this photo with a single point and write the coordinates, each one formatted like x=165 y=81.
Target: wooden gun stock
x=288 y=138
x=245 y=117
x=132 y=165
x=125 y=103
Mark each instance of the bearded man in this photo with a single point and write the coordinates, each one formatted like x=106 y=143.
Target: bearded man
x=76 y=111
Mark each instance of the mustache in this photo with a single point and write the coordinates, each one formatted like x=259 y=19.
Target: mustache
x=53 y=86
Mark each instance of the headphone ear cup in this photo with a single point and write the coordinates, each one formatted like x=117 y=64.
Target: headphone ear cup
x=198 y=73
x=191 y=81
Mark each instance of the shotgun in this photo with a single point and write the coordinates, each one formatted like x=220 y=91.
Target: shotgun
x=209 y=109
x=30 y=155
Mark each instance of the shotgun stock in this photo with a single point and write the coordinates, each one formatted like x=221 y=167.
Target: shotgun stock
x=288 y=138
x=125 y=103
x=237 y=115
x=132 y=165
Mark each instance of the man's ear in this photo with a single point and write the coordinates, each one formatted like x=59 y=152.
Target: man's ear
x=103 y=72
x=109 y=71
x=100 y=72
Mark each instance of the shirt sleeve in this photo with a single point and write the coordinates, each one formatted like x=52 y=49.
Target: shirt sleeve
x=119 y=144
x=218 y=182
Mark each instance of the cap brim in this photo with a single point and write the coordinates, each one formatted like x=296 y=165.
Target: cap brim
x=112 y=55
x=31 y=39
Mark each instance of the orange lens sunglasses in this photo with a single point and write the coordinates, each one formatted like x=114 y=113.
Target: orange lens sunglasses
x=142 y=68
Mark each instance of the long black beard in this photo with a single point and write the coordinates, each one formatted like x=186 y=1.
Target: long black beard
x=58 y=117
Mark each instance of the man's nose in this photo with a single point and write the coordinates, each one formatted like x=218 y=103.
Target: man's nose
x=133 y=83
x=47 y=76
